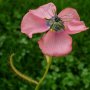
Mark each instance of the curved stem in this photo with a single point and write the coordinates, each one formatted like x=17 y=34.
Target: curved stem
x=30 y=80
x=49 y=59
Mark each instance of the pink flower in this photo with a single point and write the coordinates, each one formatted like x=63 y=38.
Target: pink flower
x=56 y=42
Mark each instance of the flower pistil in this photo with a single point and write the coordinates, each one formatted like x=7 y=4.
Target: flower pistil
x=55 y=23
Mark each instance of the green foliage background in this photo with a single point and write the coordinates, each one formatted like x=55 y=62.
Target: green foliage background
x=66 y=73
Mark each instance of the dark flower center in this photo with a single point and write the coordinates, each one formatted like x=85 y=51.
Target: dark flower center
x=57 y=19
x=55 y=23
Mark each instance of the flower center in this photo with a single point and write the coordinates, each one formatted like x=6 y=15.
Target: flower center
x=55 y=23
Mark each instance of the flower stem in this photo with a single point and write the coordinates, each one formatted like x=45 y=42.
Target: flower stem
x=49 y=59
x=30 y=80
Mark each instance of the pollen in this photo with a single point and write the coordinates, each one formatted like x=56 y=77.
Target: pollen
x=52 y=30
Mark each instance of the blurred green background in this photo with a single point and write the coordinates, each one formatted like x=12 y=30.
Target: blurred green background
x=66 y=73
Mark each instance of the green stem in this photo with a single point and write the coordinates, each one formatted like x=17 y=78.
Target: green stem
x=30 y=80
x=49 y=59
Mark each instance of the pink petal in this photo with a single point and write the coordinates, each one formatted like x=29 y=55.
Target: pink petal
x=45 y=11
x=56 y=43
x=75 y=27
x=32 y=24
x=68 y=14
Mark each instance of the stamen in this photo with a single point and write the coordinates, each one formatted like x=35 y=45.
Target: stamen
x=52 y=30
x=55 y=23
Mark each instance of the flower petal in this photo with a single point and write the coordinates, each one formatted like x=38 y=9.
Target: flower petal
x=75 y=27
x=68 y=14
x=45 y=11
x=32 y=24
x=56 y=43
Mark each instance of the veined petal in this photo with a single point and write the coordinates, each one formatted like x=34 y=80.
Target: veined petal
x=32 y=24
x=75 y=27
x=68 y=14
x=72 y=21
x=56 y=43
x=45 y=11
